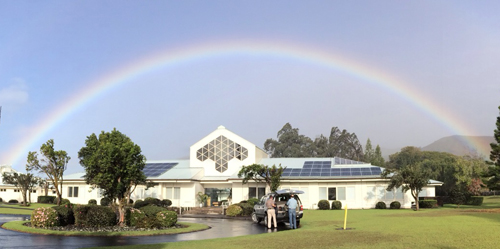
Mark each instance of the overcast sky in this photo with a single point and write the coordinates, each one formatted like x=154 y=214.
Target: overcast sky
x=310 y=63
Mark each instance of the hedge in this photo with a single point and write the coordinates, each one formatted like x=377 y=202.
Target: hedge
x=151 y=211
x=380 y=205
x=44 y=217
x=133 y=217
x=395 y=205
x=246 y=208
x=252 y=201
x=94 y=216
x=427 y=203
x=46 y=199
x=167 y=218
x=234 y=210
x=323 y=205
x=65 y=214
x=475 y=200
x=336 y=205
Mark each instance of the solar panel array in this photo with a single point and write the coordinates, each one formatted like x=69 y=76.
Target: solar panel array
x=324 y=168
x=339 y=160
x=156 y=169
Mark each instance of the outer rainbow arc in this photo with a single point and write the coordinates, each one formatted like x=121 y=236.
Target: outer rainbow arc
x=209 y=50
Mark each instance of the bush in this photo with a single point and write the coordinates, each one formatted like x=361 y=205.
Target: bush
x=1 y=200
x=133 y=217
x=246 y=208
x=475 y=200
x=166 y=218
x=44 y=217
x=13 y=201
x=105 y=201
x=153 y=201
x=323 y=205
x=130 y=201
x=151 y=211
x=94 y=216
x=380 y=205
x=252 y=201
x=336 y=205
x=140 y=203
x=395 y=205
x=92 y=202
x=427 y=203
x=166 y=203
x=65 y=214
x=65 y=202
x=234 y=210
x=46 y=199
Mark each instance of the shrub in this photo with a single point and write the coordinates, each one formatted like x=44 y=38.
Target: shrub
x=130 y=201
x=252 y=201
x=427 y=203
x=395 y=205
x=244 y=201
x=475 y=200
x=46 y=199
x=134 y=216
x=92 y=202
x=380 y=205
x=336 y=205
x=65 y=214
x=234 y=210
x=1 y=200
x=151 y=211
x=246 y=208
x=44 y=217
x=166 y=218
x=13 y=201
x=94 y=216
x=140 y=203
x=153 y=201
x=323 y=205
x=65 y=202
x=166 y=203
x=105 y=201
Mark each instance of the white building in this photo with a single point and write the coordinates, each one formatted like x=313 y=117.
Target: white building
x=216 y=159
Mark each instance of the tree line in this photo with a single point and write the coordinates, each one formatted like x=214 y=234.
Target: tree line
x=340 y=143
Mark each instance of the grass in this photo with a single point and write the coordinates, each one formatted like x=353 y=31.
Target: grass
x=446 y=227
x=189 y=227
x=19 y=209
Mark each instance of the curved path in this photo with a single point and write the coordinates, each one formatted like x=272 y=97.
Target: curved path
x=219 y=228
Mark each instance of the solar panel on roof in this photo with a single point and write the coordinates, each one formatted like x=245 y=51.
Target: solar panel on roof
x=156 y=169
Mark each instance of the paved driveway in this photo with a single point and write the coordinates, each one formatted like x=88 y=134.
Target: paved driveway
x=219 y=228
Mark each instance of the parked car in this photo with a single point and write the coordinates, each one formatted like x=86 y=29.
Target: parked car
x=280 y=197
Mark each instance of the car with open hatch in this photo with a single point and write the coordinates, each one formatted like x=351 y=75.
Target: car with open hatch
x=280 y=197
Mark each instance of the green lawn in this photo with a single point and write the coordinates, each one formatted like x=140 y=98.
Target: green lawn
x=19 y=209
x=447 y=227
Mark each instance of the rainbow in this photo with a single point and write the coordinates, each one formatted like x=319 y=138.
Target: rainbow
x=171 y=57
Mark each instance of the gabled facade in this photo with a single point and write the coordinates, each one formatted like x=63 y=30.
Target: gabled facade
x=216 y=159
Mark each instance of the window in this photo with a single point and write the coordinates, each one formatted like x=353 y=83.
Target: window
x=34 y=191
x=332 y=194
x=221 y=150
x=3 y=190
x=16 y=190
x=322 y=193
x=168 y=193
x=254 y=192
x=177 y=193
x=72 y=191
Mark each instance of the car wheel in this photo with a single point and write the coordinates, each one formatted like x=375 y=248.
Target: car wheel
x=255 y=218
x=265 y=220
x=298 y=223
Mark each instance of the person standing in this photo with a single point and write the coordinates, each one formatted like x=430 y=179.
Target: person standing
x=292 y=215
x=271 y=213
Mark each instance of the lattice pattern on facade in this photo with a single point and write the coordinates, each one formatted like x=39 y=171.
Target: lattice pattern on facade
x=221 y=150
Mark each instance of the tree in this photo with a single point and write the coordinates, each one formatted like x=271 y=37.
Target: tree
x=410 y=177
x=114 y=164
x=493 y=174
x=373 y=156
x=262 y=173
x=23 y=182
x=378 y=158
x=53 y=164
x=289 y=144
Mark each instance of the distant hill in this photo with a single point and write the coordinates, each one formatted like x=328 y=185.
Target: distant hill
x=463 y=145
